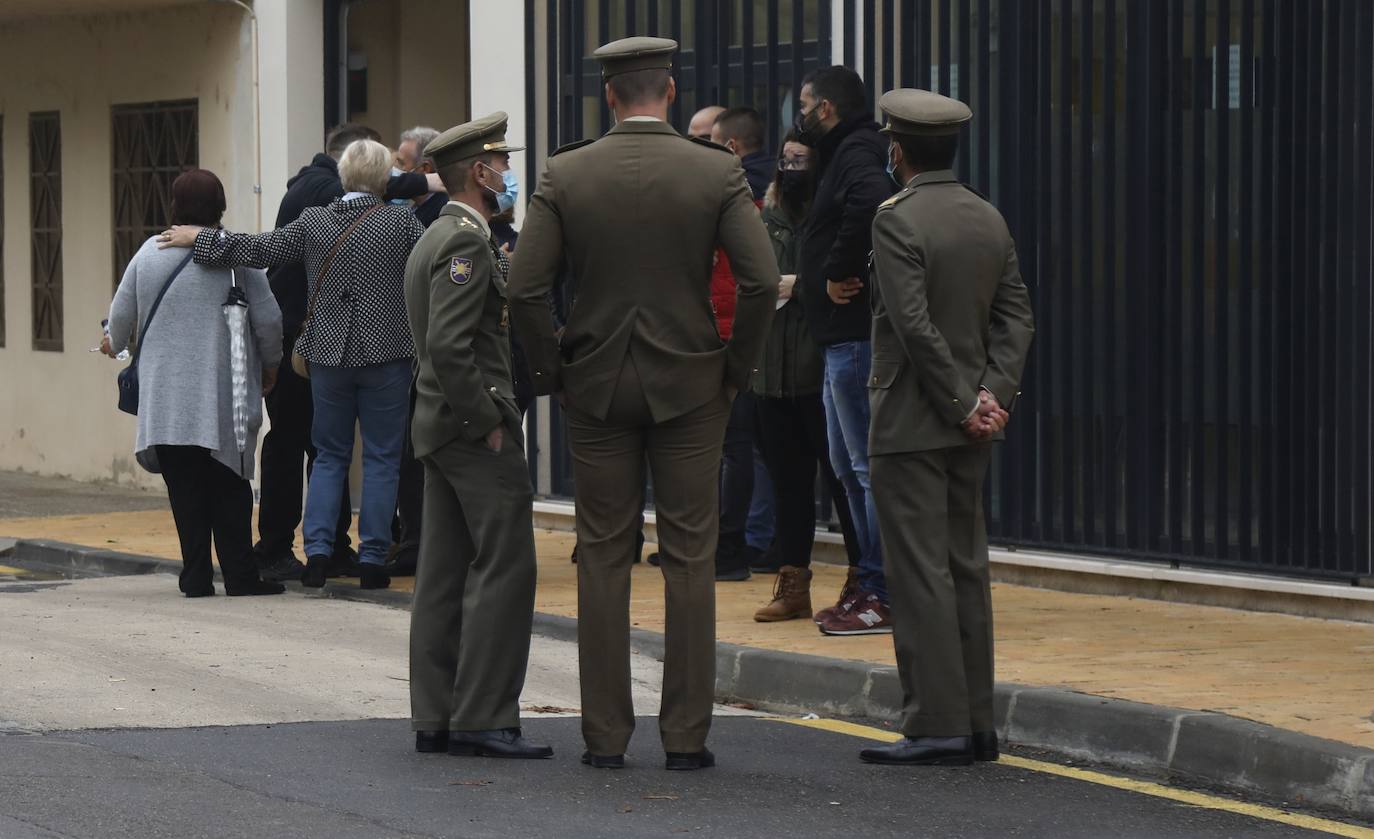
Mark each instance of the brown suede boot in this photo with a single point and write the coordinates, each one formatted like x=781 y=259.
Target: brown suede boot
x=844 y=604
x=791 y=596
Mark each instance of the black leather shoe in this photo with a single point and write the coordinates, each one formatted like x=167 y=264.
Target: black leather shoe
x=503 y=742
x=208 y=591
x=603 y=761
x=430 y=742
x=316 y=572
x=373 y=576
x=922 y=751
x=344 y=563
x=654 y=560
x=985 y=746
x=253 y=588
x=687 y=761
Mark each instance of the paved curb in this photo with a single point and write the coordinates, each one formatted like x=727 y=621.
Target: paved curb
x=1211 y=749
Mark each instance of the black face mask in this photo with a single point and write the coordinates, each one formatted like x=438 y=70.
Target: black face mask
x=795 y=186
x=809 y=131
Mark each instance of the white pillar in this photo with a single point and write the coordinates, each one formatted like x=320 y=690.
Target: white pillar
x=291 y=64
x=496 y=50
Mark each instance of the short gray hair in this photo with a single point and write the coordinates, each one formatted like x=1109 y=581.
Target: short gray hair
x=421 y=136
x=365 y=167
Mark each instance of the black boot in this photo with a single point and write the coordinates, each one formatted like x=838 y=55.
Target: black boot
x=687 y=761
x=373 y=576
x=985 y=746
x=503 y=742
x=922 y=751
x=316 y=572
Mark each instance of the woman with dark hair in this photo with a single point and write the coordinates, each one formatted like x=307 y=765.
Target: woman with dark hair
x=791 y=432
x=186 y=427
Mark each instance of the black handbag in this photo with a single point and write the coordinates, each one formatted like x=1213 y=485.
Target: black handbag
x=128 y=377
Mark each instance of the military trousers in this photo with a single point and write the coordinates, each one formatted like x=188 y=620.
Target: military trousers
x=935 y=553
x=473 y=607
x=609 y=458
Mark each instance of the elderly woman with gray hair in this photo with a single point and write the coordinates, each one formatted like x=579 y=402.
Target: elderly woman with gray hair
x=355 y=343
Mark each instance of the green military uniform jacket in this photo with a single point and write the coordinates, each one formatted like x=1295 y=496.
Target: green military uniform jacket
x=636 y=216
x=792 y=364
x=456 y=301
x=950 y=314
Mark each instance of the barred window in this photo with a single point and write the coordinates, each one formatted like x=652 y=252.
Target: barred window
x=151 y=144
x=45 y=204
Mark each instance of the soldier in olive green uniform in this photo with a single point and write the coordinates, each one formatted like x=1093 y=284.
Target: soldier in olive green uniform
x=951 y=328
x=637 y=216
x=474 y=587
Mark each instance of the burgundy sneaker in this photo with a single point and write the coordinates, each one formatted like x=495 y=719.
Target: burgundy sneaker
x=867 y=616
x=847 y=595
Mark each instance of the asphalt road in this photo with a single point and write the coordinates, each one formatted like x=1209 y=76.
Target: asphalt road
x=115 y=694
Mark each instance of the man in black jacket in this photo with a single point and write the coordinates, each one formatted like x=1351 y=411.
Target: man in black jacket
x=852 y=179
x=289 y=405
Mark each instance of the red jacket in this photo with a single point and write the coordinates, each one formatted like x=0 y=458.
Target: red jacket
x=723 y=292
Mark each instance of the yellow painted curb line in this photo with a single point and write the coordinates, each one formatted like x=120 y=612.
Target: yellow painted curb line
x=13 y=572
x=1197 y=799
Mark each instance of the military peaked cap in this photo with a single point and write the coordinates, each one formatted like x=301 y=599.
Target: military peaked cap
x=638 y=53
x=470 y=139
x=922 y=113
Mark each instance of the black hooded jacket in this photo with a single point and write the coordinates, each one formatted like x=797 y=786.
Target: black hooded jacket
x=851 y=181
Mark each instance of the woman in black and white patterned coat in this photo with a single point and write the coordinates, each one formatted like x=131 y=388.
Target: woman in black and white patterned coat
x=356 y=340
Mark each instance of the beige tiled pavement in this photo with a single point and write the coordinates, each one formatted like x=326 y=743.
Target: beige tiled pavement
x=1306 y=674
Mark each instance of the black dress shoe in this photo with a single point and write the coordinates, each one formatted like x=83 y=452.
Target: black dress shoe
x=603 y=761
x=654 y=559
x=503 y=742
x=431 y=742
x=373 y=576
x=282 y=569
x=344 y=563
x=686 y=761
x=985 y=746
x=253 y=588
x=316 y=572
x=922 y=751
x=208 y=591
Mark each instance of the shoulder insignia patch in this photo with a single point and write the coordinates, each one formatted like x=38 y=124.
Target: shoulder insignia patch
x=570 y=146
x=898 y=197
x=464 y=221
x=460 y=270
x=708 y=144
x=889 y=202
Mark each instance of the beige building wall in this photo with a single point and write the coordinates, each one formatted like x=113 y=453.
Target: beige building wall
x=57 y=409
x=417 y=63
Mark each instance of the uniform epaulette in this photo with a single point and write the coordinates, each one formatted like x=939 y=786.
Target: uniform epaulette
x=898 y=197
x=710 y=145
x=570 y=146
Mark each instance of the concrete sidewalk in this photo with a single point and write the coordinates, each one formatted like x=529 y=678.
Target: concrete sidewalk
x=1302 y=674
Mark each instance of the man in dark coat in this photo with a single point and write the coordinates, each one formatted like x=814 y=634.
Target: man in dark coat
x=289 y=405
x=832 y=275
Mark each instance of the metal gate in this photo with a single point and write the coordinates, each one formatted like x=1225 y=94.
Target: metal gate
x=1190 y=187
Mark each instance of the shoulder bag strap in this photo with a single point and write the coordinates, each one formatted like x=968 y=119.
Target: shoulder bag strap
x=143 y=333
x=329 y=261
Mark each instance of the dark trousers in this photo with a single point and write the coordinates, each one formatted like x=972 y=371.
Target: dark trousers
x=608 y=465
x=291 y=410
x=209 y=500
x=792 y=438
x=737 y=473
x=410 y=499
x=935 y=554
x=474 y=588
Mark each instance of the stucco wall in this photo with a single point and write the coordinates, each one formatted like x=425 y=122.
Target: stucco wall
x=417 y=62
x=57 y=413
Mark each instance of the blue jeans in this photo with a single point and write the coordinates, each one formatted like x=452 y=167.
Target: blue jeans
x=846 y=421
x=758 y=530
x=376 y=399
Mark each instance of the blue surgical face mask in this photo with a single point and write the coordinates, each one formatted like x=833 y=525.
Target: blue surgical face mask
x=892 y=169
x=505 y=200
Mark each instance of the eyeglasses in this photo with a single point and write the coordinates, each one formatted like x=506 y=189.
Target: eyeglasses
x=794 y=164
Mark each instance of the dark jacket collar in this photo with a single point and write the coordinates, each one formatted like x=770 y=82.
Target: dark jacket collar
x=831 y=141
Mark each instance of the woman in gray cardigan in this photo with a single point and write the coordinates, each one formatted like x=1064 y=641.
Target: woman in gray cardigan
x=186 y=408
